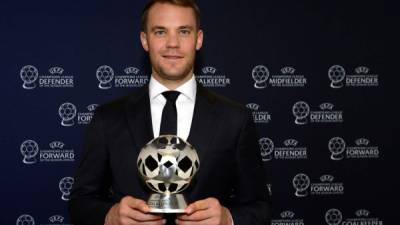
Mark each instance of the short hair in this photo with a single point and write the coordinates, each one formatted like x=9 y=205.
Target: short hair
x=184 y=3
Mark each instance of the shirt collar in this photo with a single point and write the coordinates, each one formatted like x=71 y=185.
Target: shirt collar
x=188 y=89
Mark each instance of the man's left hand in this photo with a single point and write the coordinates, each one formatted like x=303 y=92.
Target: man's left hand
x=205 y=212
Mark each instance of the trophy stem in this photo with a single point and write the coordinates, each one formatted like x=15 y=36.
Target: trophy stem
x=167 y=203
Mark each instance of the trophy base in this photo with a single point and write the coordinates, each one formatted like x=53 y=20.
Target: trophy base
x=160 y=203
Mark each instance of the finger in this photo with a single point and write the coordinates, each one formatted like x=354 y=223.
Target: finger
x=196 y=216
x=156 y=222
x=198 y=205
x=130 y=221
x=186 y=222
x=127 y=212
x=137 y=204
x=144 y=217
x=131 y=207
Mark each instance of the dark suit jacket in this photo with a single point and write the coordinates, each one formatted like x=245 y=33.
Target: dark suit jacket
x=222 y=132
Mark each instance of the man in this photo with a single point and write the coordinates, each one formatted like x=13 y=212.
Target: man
x=230 y=187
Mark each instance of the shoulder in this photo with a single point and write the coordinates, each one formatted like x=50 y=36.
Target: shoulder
x=118 y=105
x=225 y=105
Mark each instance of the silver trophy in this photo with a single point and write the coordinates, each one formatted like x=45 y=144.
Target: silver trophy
x=167 y=165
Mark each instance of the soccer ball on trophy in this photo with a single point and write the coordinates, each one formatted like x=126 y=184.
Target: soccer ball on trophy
x=260 y=75
x=337 y=146
x=29 y=74
x=105 y=74
x=333 y=217
x=301 y=182
x=167 y=165
x=301 y=110
x=25 y=220
x=336 y=74
x=67 y=112
x=29 y=150
x=65 y=186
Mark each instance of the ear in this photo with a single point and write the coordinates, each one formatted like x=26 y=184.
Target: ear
x=143 y=39
x=199 y=42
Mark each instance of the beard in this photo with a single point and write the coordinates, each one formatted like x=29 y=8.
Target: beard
x=174 y=74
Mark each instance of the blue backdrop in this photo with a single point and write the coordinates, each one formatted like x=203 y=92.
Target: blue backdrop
x=312 y=72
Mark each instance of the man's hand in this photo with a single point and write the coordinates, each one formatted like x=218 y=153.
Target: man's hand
x=132 y=211
x=205 y=212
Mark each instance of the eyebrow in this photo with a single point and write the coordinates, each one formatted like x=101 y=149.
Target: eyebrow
x=186 y=27
x=158 y=28
x=180 y=27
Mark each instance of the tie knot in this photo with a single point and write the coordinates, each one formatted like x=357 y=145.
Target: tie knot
x=171 y=96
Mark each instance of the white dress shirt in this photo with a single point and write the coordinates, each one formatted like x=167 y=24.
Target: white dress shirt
x=184 y=105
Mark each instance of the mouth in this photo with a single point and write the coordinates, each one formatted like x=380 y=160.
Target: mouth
x=172 y=57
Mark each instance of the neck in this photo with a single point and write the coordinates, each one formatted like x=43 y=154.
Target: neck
x=172 y=84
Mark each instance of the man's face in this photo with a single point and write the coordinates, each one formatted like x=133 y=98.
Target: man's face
x=171 y=38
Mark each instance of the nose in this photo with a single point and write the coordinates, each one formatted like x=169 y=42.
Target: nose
x=172 y=40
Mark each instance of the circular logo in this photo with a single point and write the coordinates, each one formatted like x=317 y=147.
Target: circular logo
x=67 y=112
x=260 y=75
x=300 y=111
x=65 y=186
x=267 y=148
x=333 y=217
x=25 y=220
x=29 y=75
x=336 y=74
x=29 y=150
x=337 y=146
x=105 y=74
x=301 y=182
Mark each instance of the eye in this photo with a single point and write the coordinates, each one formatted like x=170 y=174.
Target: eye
x=159 y=32
x=185 y=32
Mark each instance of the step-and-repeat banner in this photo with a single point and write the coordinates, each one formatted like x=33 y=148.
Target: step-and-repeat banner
x=311 y=73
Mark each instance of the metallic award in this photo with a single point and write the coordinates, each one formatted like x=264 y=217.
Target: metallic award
x=167 y=165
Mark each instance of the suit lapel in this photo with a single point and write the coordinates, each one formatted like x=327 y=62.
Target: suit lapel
x=139 y=117
x=204 y=122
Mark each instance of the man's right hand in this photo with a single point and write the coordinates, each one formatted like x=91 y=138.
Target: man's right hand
x=132 y=211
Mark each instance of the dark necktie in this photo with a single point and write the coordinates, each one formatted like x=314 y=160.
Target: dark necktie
x=169 y=115
x=169 y=126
